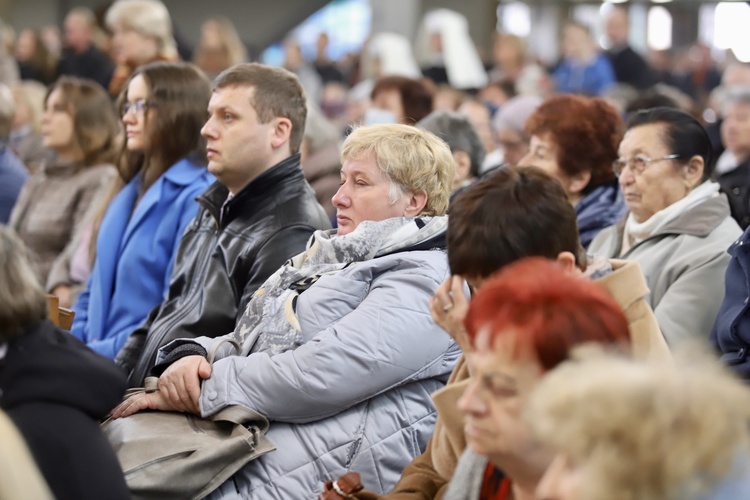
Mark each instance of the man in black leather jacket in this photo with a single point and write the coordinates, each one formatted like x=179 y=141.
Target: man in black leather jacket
x=258 y=214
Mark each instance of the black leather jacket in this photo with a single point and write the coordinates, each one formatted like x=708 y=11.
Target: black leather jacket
x=227 y=252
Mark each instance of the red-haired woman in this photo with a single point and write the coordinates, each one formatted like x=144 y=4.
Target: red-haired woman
x=575 y=138
x=522 y=322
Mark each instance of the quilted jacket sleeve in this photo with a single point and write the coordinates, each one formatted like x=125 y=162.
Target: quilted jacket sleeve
x=388 y=340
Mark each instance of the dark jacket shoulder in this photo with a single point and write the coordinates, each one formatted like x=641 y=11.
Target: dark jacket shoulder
x=55 y=389
x=736 y=185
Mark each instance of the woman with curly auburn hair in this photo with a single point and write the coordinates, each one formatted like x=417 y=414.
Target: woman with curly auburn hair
x=575 y=138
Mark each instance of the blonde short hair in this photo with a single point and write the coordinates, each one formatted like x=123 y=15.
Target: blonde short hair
x=31 y=94
x=414 y=160
x=642 y=430
x=22 y=296
x=150 y=18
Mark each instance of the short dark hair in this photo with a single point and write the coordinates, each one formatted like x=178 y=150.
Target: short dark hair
x=650 y=99
x=682 y=133
x=513 y=213
x=277 y=93
x=416 y=98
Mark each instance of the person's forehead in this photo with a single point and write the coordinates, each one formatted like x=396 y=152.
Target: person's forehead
x=738 y=107
x=233 y=95
x=362 y=164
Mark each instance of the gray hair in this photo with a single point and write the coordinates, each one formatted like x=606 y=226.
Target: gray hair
x=7 y=111
x=21 y=294
x=739 y=94
x=458 y=132
x=150 y=18
x=84 y=13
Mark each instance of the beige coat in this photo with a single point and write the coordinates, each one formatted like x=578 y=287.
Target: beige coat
x=51 y=206
x=427 y=476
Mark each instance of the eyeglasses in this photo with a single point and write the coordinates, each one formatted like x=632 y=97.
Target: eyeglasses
x=138 y=107
x=637 y=164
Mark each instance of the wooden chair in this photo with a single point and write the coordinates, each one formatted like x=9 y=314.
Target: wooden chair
x=60 y=316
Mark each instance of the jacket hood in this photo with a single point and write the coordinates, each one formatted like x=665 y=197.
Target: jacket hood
x=262 y=189
x=48 y=365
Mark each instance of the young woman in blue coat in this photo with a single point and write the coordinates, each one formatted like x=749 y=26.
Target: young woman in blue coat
x=162 y=169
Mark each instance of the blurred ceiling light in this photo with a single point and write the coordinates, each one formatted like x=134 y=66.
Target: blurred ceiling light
x=514 y=18
x=730 y=27
x=659 y=28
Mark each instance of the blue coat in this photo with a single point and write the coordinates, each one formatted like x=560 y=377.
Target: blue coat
x=592 y=79
x=731 y=333
x=135 y=255
x=13 y=175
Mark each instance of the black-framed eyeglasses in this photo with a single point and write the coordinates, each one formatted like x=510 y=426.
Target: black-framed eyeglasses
x=638 y=163
x=138 y=107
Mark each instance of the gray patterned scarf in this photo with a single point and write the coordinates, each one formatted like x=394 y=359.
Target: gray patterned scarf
x=270 y=323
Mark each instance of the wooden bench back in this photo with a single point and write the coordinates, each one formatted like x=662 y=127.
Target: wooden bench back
x=60 y=316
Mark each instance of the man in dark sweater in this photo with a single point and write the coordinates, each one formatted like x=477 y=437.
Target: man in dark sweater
x=81 y=57
x=259 y=213
x=630 y=68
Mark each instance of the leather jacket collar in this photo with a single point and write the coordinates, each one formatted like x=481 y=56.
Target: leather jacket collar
x=215 y=198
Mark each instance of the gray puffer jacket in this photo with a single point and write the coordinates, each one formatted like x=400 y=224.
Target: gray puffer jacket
x=356 y=396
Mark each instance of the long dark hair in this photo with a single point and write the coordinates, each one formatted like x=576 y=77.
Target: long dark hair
x=179 y=92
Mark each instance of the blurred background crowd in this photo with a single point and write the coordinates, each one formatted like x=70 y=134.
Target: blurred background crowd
x=363 y=61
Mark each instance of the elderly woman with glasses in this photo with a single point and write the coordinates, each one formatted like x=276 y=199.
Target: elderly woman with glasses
x=679 y=225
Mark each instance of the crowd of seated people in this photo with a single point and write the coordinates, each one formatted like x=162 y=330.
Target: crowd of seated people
x=412 y=262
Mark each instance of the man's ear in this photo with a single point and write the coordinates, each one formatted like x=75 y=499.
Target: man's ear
x=462 y=162
x=693 y=171
x=577 y=183
x=417 y=202
x=282 y=131
x=567 y=261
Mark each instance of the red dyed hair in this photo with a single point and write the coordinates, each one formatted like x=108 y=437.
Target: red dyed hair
x=586 y=132
x=548 y=310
